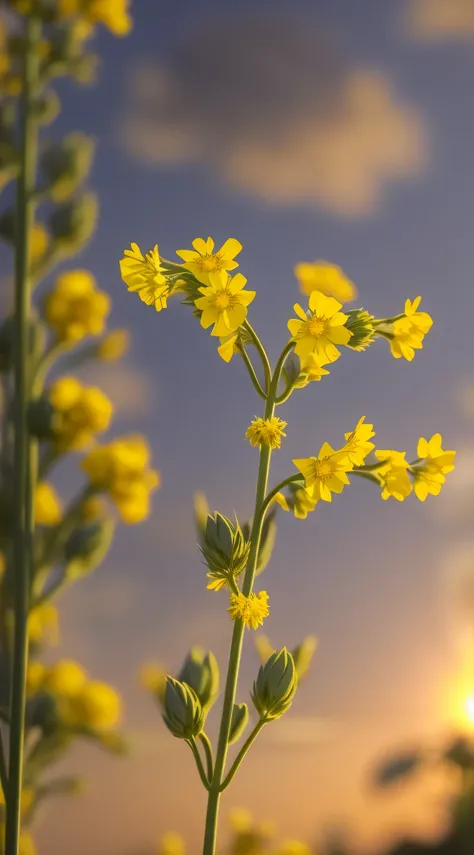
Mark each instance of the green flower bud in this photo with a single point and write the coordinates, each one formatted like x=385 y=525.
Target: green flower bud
x=46 y=107
x=201 y=673
x=275 y=686
x=66 y=163
x=240 y=717
x=73 y=223
x=41 y=419
x=87 y=547
x=361 y=327
x=183 y=713
x=225 y=549
x=303 y=655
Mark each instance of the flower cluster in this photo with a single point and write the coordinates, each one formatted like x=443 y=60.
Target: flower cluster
x=75 y=308
x=80 y=413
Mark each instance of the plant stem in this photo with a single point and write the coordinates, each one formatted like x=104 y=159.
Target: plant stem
x=261 y=350
x=23 y=489
x=243 y=751
x=292 y=479
x=192 y=744
x=208 y=752
x=251 y=370
x=210 y=833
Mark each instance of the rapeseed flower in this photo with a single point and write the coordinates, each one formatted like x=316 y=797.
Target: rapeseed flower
x=48 y=508
x=43 y=624
x=65 y=677
x=320 y=329
x=39 y=241
x=97 y=706
x=80 y=412
x=393 y=475
x=203 y=261
x=326 y=278
x=311 y=370
x=35 y=675
x=114 y=345
x=228 y=346
x=121 y=469
x=113 y=14
x=325 y=474
x=251 y=610
x=436 y=463
x=407 y=333
x=144 y=274
x=75 y=308
x=224 y=303
x=357 y=446
x=266 y=432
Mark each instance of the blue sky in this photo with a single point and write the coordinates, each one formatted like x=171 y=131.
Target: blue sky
x=363 y=575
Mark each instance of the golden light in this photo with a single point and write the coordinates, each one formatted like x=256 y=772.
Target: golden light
x=470 y=708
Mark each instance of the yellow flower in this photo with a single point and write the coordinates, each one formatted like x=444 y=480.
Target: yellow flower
x=48 y=509
x=43 y=624
x=81 y=412
x=35 y=675
x=228 y=346
x=303 y=503
x=281 y=500
x=97 y=706
x=113 y=14
x=172 y=843
x=39 y=241
x=65 y=677
x=327 y=278
x=224 y=303
x=153 y=677
x=143 y=274
x=357 y=446
x=394 y=477
x=251 y=610
x=429 y=475
x=75 y=308
x=121 y=469
x=114 y=345
x=311 y=370
x=293 y=847
x=319 y=330
x=203 y=261
x=408 y=332
x=266 y=432
x=325 y=474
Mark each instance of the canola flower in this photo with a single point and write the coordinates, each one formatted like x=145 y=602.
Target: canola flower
x=96 y=706
x=320 y=329
x=202 y=261
x=357 y=446
x=224 y=302
x=407 y=333
x=75 y=308
x=48 y=508
x=266 y=432
x=429 y=475
x=143 y=274
x=251 y=610
x=393 y=474
x=113 y=14
x=80 y=413
x=325 y=474
x=43 y=624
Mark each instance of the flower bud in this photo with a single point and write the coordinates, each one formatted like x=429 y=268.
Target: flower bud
x=87 y=546
x=183 y=714
x=240 y=717
x=360 y=325
x=201 y=673
x=303 y=654
x=225 y=549
x=275 y=686
x=41 y=419
x=65 y=164
x=46 y=107
x=73 y=223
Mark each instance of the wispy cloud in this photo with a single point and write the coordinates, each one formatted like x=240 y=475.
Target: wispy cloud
x=440 y=20
x=265 y=104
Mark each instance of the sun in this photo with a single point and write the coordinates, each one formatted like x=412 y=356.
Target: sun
x=470 y=708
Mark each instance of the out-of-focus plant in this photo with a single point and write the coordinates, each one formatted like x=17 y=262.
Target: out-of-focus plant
x=45 y=545
x=235 y=553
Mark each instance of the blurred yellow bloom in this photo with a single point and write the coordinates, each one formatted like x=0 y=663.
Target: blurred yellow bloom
x=75 y=308
x=240 y=819
x=429 y=475
x=97 y=706
x=224 y=303
x=251 y=610
x=203 y=261
x=114 y=345
x=43 y=624
x=121 y=469
x=357 y=446
x=327 y=278
x=48 y=508
x=143 y=274
x=171 y=844
x=35 y=675
x=3 y=565
x=80 y=412
x=39 y=241
x=408 y=332
x=293 y=847
x=394 y=477
x=113 y=14
x=266 y=432
x=325 y=474
x=65 y=677
x=319 y=330
x=153 y=677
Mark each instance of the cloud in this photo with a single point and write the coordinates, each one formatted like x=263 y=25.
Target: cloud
x=440 y=20
x=265 y=104
x=129 y=388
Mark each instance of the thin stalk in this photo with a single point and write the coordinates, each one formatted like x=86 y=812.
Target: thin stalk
x=23 y=492
x=261 y=350
x=3 y=768
x=208 y=752
x=292 y=479
x=253 y=376
x=192 y=744
x=243 y=751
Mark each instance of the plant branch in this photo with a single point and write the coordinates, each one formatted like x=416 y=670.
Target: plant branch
x=243 y=751
x=192 y=744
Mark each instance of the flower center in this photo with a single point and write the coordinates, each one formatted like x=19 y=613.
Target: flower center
x=317 y=327
x=222 y=300
x=209 y=263
x=323 y=469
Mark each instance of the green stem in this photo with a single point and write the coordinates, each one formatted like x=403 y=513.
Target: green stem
x=243 y=751
x=261 y=350
x=192 y=744
x=392 y=320
x=253 y=376
x=208 y=752
x=287 y=392
x=22 y=517
x=367 y=475
x=292 y=479
x=3 y=768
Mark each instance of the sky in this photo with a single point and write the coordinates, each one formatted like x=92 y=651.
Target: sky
x=306 y=130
